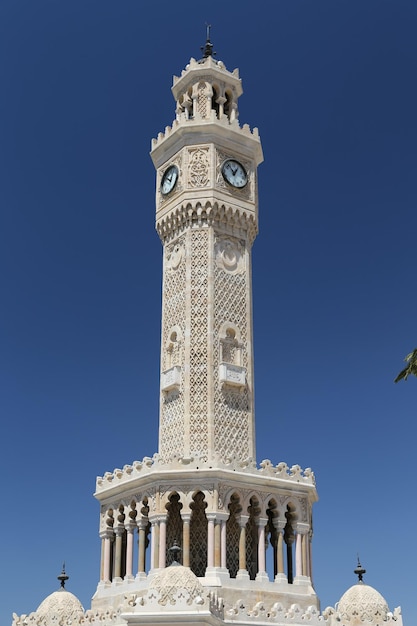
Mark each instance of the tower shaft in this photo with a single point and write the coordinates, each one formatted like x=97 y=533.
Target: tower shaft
x=206 y=216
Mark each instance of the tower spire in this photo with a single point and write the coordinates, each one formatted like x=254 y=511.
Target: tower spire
x=207 y=50
x=63 y=576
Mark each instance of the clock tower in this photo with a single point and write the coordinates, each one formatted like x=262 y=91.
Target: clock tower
x=207 y=219
x=239 y=530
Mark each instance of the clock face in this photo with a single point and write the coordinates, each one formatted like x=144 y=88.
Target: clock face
x=169 y=180
x=234 y=173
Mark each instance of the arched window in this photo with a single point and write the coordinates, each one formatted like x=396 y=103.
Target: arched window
x=198 y=535
x=174 y=525
x=233 y=534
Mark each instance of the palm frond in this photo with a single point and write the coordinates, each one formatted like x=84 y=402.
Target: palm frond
x=410 y=369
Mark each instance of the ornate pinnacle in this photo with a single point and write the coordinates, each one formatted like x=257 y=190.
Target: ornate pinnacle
x=359 y=571
x=175 y=551
x=207 y=50
x=63 y=577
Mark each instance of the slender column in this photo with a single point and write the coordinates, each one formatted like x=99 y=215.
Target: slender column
x=304 y=555
x=102 y=559
x=273 y=540
x=242 y=547
x=289 y=540
x=130 y=529
x=217 y=542
x=186 y=520
x=243 y=572
x=220 y=101
x=261 y=547
x=301 y=552
x=162 y=541
x=310 y=555
x=280 y=575
x=261 y=574
x=210 y=539
x=280 y=553
x=154 y=542
x=106 y=536
x=142 y=524
x=118 y=531
x=223 y=544
x=298 y=560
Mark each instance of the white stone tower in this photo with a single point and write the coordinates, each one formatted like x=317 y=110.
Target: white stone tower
x=207 y=218
x=245 y=531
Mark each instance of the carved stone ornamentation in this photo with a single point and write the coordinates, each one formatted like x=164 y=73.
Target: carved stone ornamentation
x=175 y=255
x=229 y=255
x=198 y=168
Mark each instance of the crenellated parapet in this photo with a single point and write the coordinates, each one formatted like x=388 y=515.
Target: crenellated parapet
x=150 y=465
x=180 y=603
x=334 y=617
x=108 y=617
x=208 y=64
x=278 y=613
x=182 y=121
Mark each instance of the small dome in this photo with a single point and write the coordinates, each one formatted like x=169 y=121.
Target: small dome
x=363 y=602
x=62 y=603
x=171 y=579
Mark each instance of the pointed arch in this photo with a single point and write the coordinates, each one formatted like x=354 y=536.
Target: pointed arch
x=252 y=537
x=174 y=524
x=198 y=534
x=233 y=534
x=289 y=537
x=271 y=535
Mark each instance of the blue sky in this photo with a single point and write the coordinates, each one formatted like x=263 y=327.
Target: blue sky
x=85 y=85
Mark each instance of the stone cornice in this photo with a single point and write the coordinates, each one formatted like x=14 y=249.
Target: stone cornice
x=195 y=125
x=240 y=139
x=238 y=221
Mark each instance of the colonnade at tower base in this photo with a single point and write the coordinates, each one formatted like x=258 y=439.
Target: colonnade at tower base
x=242 y=530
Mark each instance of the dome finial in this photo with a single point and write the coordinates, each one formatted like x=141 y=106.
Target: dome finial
x=207 y=50
x=359 y=571
x=175 y=551
x=63 y=576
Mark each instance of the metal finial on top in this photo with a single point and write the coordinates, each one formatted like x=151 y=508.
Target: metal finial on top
x=63 y=577
x=359 y=571
x=175 y=551
x=207 y=50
